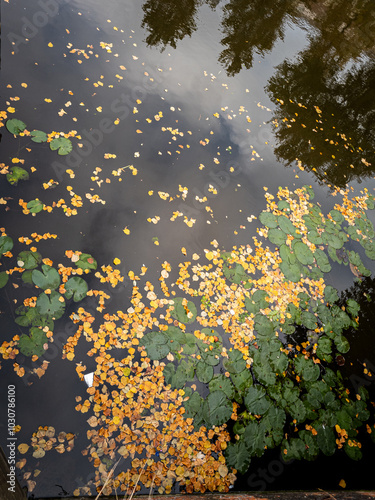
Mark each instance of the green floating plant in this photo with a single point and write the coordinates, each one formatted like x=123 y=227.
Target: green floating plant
x=33 y=344
x=17 y=174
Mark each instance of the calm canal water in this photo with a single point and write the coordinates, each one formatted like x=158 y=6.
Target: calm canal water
x=231 y=94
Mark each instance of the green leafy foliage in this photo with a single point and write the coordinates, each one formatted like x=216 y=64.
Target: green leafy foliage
x=28 y=259
x=15 y=126
x=35 y=206
x=63 y=145
x=32 y=344
x=48 y=278
x=86 y=261
x=77 y=288
x=17 y=174
x=38 y=136
x=6 y=244
x=51 y=305
x=4 y=277
x=184 y=310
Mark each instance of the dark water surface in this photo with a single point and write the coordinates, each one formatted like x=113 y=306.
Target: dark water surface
x=214 y=70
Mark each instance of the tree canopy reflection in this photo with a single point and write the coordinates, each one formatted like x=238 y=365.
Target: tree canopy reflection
x=324 y=98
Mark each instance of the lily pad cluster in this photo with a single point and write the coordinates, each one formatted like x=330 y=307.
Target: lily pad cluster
x=279 y=394
x=62 y=145
x=50 y=304
x=309 y=245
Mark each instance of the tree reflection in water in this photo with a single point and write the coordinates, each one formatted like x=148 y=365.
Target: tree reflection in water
x=324 y=98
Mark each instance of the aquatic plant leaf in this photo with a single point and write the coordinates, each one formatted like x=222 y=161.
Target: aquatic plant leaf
x=235 y=362
x=50 y=305
x=293 y=449
x=277 y=236
x=326 y=439
x=298 y=411
x=204 y=372
x=62 y=144
x=337 y=216
x=352 y=307
x=17 y=174
x=308 y=320
x=268 y=219
x=256 y=401
x=235 y=273
x=256 y=301
x=35 y=206
x=286 y=225
x=342 y=344
x=307 y=369
x=219 y=408
x=32 y=344
x=184 y=313
x=6 y=244
x=254 y=437
x=292 y=272
x=77 y=288
x=330 y=294
x=322 y=260
x=38 y=136
x=156 y=345
x=49 y=278
x=86 y=261
x=303 y=253
x=353 y=452
x=242 y=381
x=237 y=455
x=4 y=277
x=28 y=259
x=193 y=405
x=222 y=383
x=314 y=237
x=15 y=126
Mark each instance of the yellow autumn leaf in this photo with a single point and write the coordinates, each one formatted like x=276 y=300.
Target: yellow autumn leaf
x=22 y=448
x=116 y=261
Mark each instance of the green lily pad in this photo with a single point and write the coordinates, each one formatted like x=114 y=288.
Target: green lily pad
x=77 y=288
x=28 y=259
x=342 y=344
x=242 y=381
x=256 y=401
x=62 y=144
x=303 y=253
x=35 y=206
x=86 y=261
x=50 y=305
x=286 y=225
x=330 y=294
x=235 y=273
x=4 y=277
x=277 y=236
x=30 y=316
x=326 y=439
x=49 y=278
x=193 y=405
x=32 y=344
x=314 y=237
x=184 y=313
x=156 y=344
x=235 y=362
x=222 y=383
x=17 y=174
x=6 y=244
x=204 y=372
x=322 y=261
x=268 y=219
x=38 y=136
x=15 y=126
x=219 y=408
x=238 y=456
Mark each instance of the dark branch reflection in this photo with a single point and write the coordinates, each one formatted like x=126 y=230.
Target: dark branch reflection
x=325 y=98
